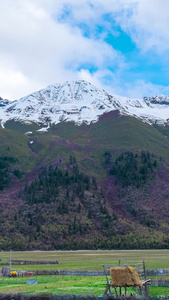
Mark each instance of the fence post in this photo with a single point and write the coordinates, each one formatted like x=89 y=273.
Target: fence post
x=146 y=287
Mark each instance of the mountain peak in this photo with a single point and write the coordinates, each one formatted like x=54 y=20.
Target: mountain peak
x=80 y=101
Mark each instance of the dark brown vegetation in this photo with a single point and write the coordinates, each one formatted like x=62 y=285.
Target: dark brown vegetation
x=46 y=297
x=67 y=297
x=70 y=210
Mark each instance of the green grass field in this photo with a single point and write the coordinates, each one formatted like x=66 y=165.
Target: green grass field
x=90 y=260
x=53 y=284
x=66 y=285
x=79 y=260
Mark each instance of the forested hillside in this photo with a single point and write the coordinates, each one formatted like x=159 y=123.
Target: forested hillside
x=103 y=185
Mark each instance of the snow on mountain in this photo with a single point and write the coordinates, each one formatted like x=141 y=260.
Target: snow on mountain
x=80 y=101
x=4 y=102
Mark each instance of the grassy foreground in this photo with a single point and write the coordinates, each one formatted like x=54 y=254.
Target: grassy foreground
x=79 y=260
x=55 y=285
x=66 y=285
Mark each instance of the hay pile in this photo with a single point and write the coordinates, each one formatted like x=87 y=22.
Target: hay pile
x=126 y=276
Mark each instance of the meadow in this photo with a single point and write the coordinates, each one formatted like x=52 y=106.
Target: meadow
x=90 y=259
x=78 y=260
x=89 y=285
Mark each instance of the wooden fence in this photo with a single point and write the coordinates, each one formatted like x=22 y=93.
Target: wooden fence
x=158 y=273
x=158 y=282
x=69 y=273
x=28 y=262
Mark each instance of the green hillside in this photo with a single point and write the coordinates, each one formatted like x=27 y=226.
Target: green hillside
x=103 y=185
x=17 y=145
x=125 y=133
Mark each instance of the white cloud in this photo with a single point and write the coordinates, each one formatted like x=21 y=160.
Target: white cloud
x=139 y=89
x=147 y=23
x=43 y=49
x=97 y=78
x=41 y=42
x=13 y=79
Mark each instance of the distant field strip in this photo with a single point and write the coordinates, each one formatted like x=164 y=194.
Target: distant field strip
x=90 y=260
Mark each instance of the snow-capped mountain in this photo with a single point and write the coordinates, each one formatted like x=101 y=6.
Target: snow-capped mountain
x=80 y=101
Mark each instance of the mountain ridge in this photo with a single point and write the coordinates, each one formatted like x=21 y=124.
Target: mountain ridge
x=81 y=102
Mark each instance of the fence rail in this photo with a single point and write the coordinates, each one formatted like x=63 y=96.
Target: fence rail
x=160 y=282
x=28 y=262
x=70 y=273
x=156 y=272
x=164 y=272
x=161 y=272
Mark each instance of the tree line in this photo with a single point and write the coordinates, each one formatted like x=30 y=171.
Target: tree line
x=132 y=168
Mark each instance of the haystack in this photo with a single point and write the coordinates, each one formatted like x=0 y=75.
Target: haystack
x=123 y=277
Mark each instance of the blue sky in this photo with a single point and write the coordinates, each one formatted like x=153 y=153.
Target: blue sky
x=121 y=46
